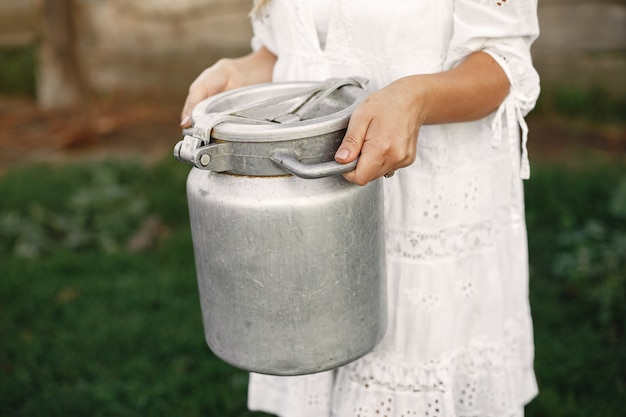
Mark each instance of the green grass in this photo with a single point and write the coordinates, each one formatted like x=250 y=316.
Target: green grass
x=88 y=328
x=100 y=331
x=580 y=354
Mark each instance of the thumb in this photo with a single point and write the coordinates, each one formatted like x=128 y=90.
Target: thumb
x=352 y=143
x=194 y=97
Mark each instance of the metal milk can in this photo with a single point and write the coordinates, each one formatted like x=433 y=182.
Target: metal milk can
x=289 y=255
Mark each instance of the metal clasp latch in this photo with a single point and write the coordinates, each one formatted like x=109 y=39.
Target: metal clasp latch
x=197 y=148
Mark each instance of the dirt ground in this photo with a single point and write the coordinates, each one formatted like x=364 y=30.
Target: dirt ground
x=116 y=127
x=148 y=130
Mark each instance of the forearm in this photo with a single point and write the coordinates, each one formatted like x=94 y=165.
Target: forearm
x=385 y=127
x=470 y=91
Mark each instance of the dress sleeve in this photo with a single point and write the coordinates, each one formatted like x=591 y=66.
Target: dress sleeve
x=505 y=29
x=263 y=31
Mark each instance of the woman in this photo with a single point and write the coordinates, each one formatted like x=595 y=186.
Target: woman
x=451 y=81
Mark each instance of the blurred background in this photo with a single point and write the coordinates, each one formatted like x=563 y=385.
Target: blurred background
x=99 y=312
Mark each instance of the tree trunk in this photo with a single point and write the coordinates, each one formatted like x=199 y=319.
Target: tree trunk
x=60 y=81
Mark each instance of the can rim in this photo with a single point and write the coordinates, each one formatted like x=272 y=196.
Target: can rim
x=332 y=116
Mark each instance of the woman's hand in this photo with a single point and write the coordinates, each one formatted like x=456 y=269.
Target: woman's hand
x=227 y=74
x=383 y=130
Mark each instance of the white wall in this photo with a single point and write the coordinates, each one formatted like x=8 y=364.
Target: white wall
x=161 y=45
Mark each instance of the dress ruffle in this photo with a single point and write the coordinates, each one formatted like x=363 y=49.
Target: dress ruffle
x=488 y=380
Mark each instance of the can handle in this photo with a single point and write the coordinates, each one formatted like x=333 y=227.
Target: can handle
x=289 y=162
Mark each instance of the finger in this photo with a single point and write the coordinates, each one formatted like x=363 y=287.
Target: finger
x=352 y=142
x=371 y=164
x=211 y=81
x=380 y=153
x=195 y=96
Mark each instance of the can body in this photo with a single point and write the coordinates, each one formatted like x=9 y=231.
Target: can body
x=291 y=271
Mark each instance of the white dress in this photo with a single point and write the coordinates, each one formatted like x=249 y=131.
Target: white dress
x=459 y=341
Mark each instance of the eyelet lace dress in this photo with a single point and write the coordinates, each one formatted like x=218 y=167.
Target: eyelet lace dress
x=459 y=336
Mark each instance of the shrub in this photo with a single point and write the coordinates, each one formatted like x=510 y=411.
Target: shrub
x=592 y=261
x=100 y=214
